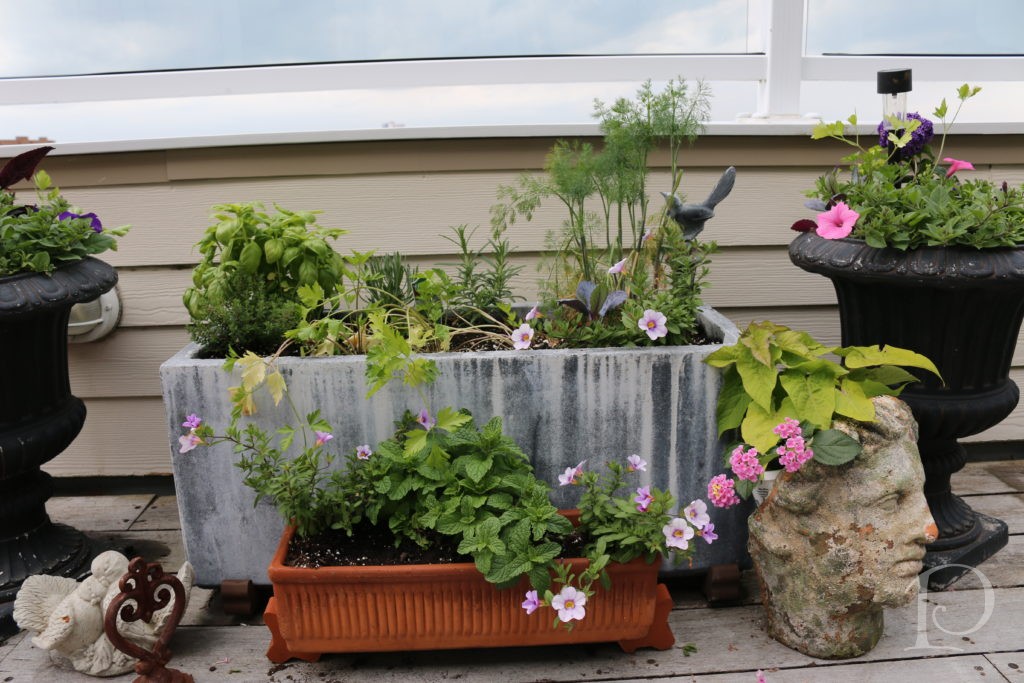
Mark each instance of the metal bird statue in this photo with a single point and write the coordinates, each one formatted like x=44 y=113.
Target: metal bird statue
x=692 y=217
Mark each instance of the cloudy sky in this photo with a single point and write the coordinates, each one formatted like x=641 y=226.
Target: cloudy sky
x=102 y=36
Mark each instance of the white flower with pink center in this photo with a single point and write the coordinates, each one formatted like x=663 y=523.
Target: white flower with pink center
x=677 y=533
x=570 y=604
x=653 y=323
x=522 y=337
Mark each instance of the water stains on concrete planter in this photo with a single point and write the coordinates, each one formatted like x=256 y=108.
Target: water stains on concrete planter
x=561 y=406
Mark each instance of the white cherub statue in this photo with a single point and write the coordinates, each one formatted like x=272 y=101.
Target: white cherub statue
x=68 y=616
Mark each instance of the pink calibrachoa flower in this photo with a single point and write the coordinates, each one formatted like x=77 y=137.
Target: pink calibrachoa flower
x=635 y=463
x=188 y=442
x=837 y=222
x=677 y=534
x=788 y=428
x=569 y=602
x=363 y=452
x=192 y=421
x=534 y=313
x=522 y=337
x=696 y=513
x=708 y=533
x=618 y=267
x=571 y=474
x=957 y=165
x=531 y=603
x=643 y=498
x=745 y=465
x=323 y=437
x=722 y=491
x=653 y=323
x=425 y=420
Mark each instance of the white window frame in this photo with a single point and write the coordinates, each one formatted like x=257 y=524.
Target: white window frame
x=779 y=72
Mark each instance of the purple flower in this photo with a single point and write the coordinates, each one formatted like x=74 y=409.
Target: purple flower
x=363 y=452
x=643 y=498
x=188 y=442
x=425 y=420
x=677 y=534
x=619 y=267
x=534 y=313
x=635 y=463
x=192 y=421
x=323 y=437
x=570 y=475
x=95 y=222
x=708 y=533
x=531 y=603
x=522 y=337
x=653 y=323
x=918 y=139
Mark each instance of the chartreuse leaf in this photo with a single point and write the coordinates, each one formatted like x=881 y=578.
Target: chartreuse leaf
x=415 y=441
x=851 y=401
x=833 y=447
x=758 y=424
x=276 y=386
x=758 y=378
x=450 y=419
x=864 y=356
x=723 y=357
x=733 y=401
x=810 y=387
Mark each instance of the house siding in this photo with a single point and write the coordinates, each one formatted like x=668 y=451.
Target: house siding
x=405 y=196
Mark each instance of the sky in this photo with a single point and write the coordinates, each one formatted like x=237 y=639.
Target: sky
x=103 y=36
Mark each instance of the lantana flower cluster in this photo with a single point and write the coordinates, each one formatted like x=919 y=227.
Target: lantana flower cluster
x=749 y=465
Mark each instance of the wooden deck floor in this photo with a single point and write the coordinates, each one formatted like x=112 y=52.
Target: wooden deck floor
x=943 y=638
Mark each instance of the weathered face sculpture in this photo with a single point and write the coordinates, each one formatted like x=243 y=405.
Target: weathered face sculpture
x=838 y=543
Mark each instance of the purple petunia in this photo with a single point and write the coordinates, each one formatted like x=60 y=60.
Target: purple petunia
x=97 y=226
x=918 y=139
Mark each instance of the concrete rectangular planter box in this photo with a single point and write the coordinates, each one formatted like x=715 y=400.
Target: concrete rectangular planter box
x=561 y=406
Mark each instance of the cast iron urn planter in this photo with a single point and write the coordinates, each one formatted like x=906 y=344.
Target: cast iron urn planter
x=39 y=418
x=962 y=308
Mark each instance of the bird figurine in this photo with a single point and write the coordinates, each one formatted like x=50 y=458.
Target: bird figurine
x=67 y=616
x=692 y=217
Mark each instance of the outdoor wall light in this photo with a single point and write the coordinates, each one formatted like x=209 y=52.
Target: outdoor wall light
x=93 y=320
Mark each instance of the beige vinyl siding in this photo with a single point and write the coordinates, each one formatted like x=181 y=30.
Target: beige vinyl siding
x=405 y=196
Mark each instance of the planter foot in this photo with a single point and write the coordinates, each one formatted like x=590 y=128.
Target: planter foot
x=660 y=637
x=278 y=651
x=722 y=586
x=945 y=567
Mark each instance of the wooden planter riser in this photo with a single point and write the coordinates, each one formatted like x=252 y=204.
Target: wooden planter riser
x=428 y=607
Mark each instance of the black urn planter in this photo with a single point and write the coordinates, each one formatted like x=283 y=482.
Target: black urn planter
x=962 y=308
x=39 y=418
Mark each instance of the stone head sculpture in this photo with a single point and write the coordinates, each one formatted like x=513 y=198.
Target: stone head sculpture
x=833 y=545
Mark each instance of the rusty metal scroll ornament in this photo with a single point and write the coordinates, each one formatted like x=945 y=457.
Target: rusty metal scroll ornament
x=145 y=589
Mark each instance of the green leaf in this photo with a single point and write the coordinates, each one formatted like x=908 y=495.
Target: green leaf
x=758 y=378
x=811 y=389
x=450 y=419
x=833 y=447
x=733 y=401
x=864 y=356
x=851 y=401
x=477 y=467
x=415 y=441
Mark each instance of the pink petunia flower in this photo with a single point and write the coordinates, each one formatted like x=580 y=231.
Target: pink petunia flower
x=570 y=604
x=192 y=421
x=323 y=437
x=363 y=452
x=522 y=337
x=531 y=603
x=618 y=267
x=643 y=498
x=653 y=323
x=957 y=165
x=722 y=491
x=837 y=222
x=677 y=534
x=635 y=463
x=696 y=513
x=188 y=442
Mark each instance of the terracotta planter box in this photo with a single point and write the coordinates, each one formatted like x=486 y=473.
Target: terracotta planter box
x=560 y=406
x=447 y=606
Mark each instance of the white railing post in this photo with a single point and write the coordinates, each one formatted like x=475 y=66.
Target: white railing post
x=779 y=92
